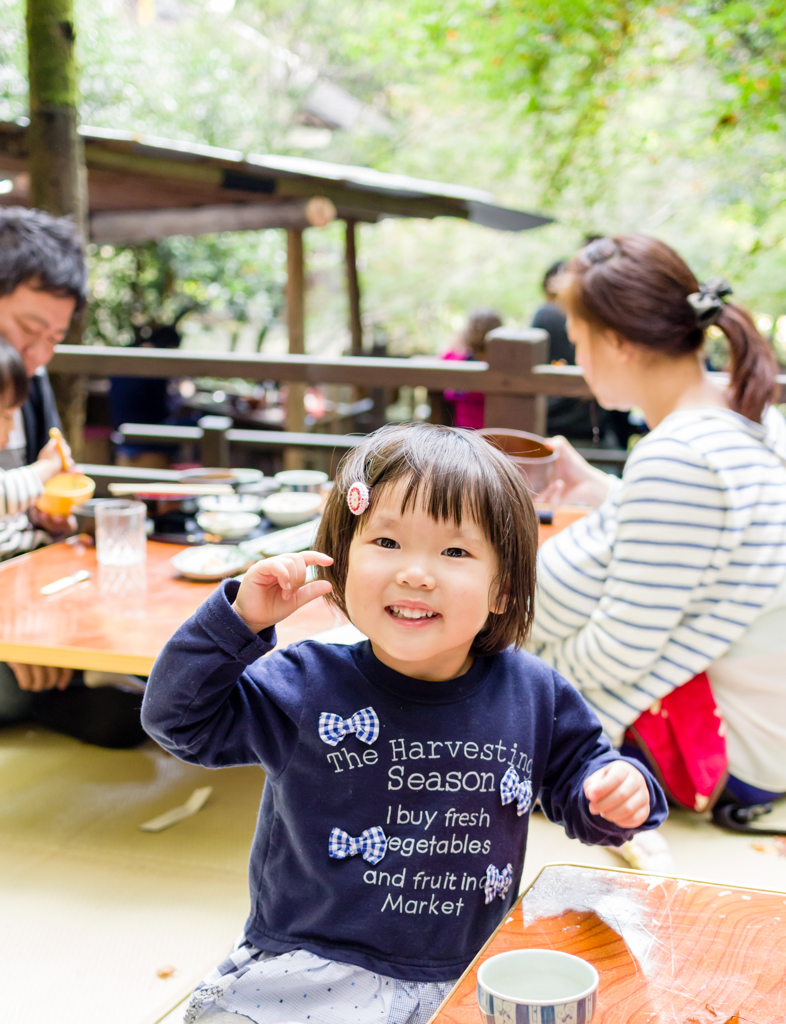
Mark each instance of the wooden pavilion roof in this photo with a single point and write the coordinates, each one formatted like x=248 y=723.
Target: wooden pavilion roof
x=142 y=187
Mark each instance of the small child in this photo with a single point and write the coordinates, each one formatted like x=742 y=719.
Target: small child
x=401 y=771
x=20 y=488
x=469 y=407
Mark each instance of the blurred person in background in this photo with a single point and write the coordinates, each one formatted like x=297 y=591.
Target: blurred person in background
x=467 y=407
x=146 y=400
x=571 y=417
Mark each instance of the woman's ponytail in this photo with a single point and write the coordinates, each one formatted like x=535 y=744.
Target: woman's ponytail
x=753 y=366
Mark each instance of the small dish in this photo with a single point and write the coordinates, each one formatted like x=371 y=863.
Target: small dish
x=228 y=525
x=290 y=508
x=230 y=503
x=301 y=480
x=210 y=562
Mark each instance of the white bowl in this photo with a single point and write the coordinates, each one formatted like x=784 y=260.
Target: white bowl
x=290 y=508
x=230 y=503
x=229 y=525
x=301 y=479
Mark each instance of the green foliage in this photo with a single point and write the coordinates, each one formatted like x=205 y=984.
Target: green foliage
x=138 y=288
x=746 y=42
x=612 y=116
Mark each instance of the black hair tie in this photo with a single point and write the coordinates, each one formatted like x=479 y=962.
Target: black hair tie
x=709 y=300
x=600 y=250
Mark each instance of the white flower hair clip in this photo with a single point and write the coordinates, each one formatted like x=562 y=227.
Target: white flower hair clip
x=358 y=497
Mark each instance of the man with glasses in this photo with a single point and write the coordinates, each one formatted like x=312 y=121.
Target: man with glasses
x=43 y=282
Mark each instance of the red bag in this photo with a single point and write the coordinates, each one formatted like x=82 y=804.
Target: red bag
x=683 y=738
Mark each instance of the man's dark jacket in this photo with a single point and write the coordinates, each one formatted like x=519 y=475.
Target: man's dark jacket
x=39 y=414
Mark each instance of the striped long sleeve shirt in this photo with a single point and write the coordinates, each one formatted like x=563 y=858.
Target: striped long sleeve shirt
x=19 y=489
x=656 y=584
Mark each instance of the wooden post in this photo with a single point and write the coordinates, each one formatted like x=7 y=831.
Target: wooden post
x=295 y=418
x=353 y=289
x=512 y=351
x=56 y=161
x=440 y=413
x=214 y=446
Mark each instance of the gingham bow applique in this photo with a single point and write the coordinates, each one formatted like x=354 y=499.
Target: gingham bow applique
x=511 y=789
x=364 y=724
x=496 y=882
x=371 y=844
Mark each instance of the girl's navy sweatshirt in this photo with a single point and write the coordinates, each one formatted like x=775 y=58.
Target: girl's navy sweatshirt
x=428 y=786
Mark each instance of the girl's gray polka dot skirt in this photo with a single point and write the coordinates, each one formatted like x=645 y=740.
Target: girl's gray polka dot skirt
x=302 y=988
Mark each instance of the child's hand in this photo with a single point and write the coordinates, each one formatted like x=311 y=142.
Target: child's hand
x=618 y=792
x=49 y=462
x=275 y=587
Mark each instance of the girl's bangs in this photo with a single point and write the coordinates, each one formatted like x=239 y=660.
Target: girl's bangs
x=452 y=478
x=448 y=496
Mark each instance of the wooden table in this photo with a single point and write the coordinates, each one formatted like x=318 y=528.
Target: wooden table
x=564 y=516
x=119 y=620
x=668 y=950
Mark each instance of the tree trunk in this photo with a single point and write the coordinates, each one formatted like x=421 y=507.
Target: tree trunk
x=296 y=316
x=353 y=289
x=56 y=162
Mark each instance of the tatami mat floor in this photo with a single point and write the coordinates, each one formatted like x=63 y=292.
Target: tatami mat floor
x=92 y=909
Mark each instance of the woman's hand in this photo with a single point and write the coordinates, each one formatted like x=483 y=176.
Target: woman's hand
x=49 y=461
x=618 y=792
x=575 y=482
x=275 y=587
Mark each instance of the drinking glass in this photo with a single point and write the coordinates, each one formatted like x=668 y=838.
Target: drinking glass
x=120 y=532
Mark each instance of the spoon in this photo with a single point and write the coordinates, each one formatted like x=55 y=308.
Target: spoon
x=57 y=437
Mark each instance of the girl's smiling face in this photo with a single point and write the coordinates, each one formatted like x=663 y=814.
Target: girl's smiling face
x=420 y=589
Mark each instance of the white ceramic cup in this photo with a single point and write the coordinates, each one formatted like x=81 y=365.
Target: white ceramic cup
x=120 y=532
x=537 y=986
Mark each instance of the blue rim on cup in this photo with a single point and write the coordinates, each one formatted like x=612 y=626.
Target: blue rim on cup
x=536 y=986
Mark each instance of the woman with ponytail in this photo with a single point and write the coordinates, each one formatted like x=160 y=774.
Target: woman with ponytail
x=666 y=606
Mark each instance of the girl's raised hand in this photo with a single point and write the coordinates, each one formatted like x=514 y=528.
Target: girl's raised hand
x=618 y=792
x=275 y=587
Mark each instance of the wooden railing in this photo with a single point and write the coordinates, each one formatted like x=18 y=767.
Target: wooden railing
x=514 y=378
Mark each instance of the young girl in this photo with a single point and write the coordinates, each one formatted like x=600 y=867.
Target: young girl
x=20 y=488
x=401 y=771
